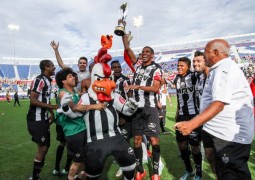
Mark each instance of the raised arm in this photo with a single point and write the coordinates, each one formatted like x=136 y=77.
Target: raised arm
x=126 y=42
x=55 y=46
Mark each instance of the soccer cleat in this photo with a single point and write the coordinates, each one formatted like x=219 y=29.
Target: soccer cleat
x=186 y=175
x=155 y=177
x=119 y=173
x=64 y=172
x=197 y=177
x=140 y=176
x=56 y=173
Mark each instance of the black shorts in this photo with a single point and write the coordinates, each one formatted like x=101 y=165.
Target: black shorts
x=207 y=139
x=194 y=138
x=40 y=132
x=160 y=112
x=60 y=133
x=75 y=146
x=231 y=159
x=146 y=122
x=98 y=151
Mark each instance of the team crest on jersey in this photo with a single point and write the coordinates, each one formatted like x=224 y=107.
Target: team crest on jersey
x=147 y=70
x=225 y=159
x=189 y=83
x=182 y=85
x=78 y=155
x=43 y=139
x=152 y=127
x=130 y=150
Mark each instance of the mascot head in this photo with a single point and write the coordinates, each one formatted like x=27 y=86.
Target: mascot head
x=102 y=85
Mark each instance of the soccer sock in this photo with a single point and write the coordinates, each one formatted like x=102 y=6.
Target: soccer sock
x=156 y=156
x=68 y=163
x=148 y=143
x=185 y=157
x=59 y=155
x=162 y=125
x=37 y=169
x=198 y=163
x=139 y=159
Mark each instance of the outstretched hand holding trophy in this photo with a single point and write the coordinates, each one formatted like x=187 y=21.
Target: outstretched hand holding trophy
x=120 y=29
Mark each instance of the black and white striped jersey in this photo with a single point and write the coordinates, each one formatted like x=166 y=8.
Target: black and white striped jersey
x=144 y=76
x=200 y=83
x=41 y=85
x=121 y=83
x=100 y=124
x=185 y=89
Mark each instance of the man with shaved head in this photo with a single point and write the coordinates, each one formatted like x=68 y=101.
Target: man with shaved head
x=226 y=113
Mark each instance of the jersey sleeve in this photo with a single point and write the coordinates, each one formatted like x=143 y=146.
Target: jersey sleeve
x=37 y=85
x=157 y=74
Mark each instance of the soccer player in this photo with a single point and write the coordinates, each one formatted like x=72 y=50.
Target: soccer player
x=38 y=118
x=163 y=94
x=121 y=83
x=202 y=72
x=185 y=82
x=146 y=84
x=62 y=141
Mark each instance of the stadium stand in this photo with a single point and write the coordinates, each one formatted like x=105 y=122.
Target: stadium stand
x=23 y=71
x=15 y=75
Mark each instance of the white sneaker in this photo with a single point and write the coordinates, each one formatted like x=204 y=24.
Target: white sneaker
x=64 y=172
x=56 y=173
x=119 y=173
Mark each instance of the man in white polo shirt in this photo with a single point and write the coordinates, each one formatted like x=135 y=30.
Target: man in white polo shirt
x=226 y=112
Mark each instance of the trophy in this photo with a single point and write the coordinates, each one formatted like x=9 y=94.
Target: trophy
x=120 y=29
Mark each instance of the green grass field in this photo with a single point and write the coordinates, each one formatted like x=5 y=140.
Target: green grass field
x=17 y=150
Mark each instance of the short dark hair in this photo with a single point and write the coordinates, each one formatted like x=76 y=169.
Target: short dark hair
x=185 y=60
x=44 y=63
x=152 y=51
x=198 y=53
x=83 y=58
x=115 y=61
x=61 y=75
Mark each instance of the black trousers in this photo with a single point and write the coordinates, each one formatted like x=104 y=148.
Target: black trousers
x=231 y=160
x=16 y=101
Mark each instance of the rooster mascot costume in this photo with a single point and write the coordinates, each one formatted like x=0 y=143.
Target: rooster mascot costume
x=103 y=134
